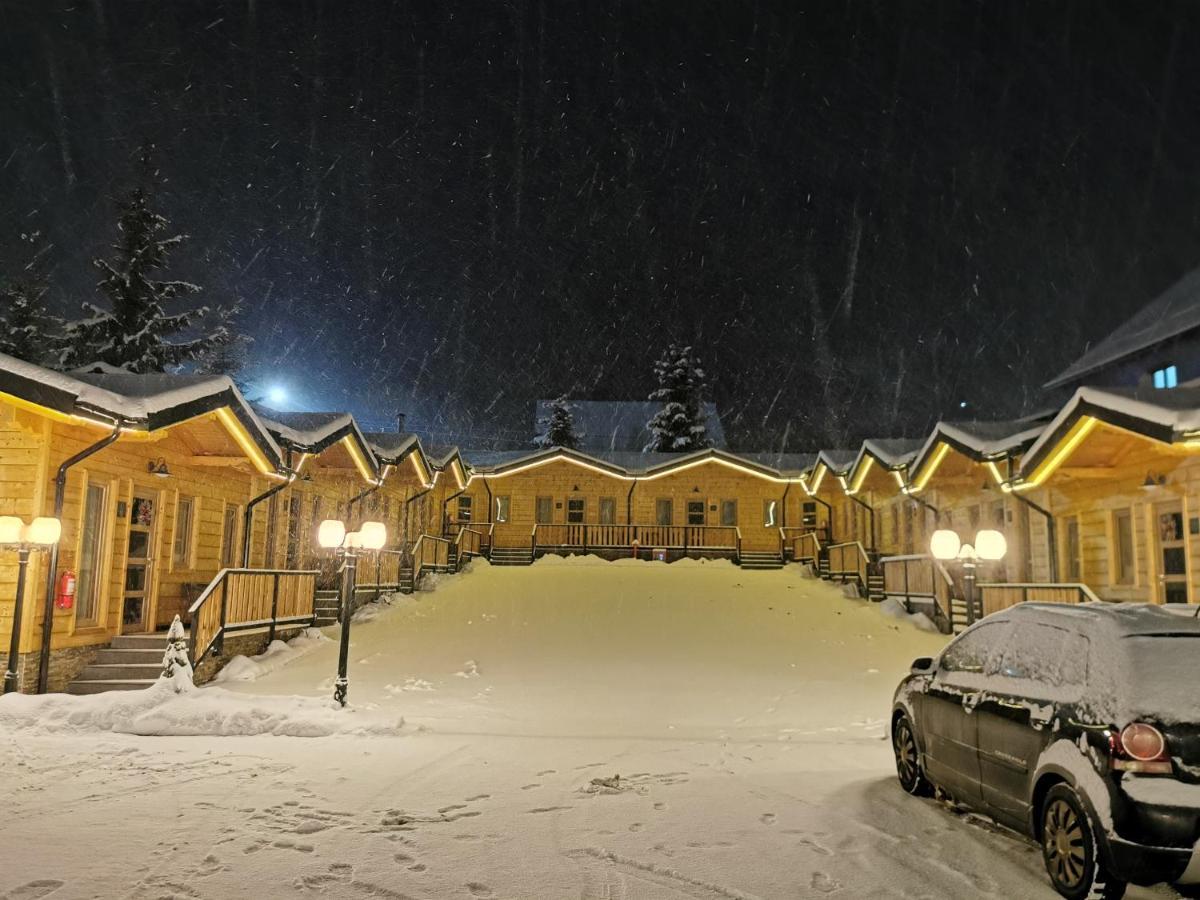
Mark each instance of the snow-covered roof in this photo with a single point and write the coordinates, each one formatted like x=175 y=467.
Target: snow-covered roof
x=1164 y=415
x=621 y=424
x=392 y=446
x=837 y=461
x=1173 y=313
x=149 y=402
x=313 y=432
x=981 y=440
x=630 y=464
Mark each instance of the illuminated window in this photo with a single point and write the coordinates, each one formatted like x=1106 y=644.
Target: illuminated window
x=770 y=507
x=695 y=512
x=464 y=508
x=181 y=554
x=608 y=511
x=502 y=504
x=1166 y=377
x=1123 y=547
x=91 y=553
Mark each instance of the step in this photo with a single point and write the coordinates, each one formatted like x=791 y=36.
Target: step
x=100 y=687
x=142 y=656
x=120 y=672
x=141 y=641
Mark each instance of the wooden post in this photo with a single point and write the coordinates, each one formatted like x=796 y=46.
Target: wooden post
x=219 y=648
x=274 y=607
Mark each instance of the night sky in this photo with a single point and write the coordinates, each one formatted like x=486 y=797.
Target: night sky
x=862 y=214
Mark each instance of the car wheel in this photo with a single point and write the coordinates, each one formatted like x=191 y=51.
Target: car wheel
x=1069 y=849
x=908 y=760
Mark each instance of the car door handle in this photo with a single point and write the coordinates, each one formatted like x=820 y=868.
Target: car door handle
x=970 y=701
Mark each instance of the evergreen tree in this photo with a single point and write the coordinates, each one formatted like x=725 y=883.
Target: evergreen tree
x=177 y=668
x=679 y=426
x=558 y=428
x=133 y=334
x=27 y=330
x=226 y=355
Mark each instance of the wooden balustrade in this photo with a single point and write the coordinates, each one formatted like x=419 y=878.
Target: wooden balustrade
x=849 y=560
x=670 y=537
x=241 y=599
x=430 y=553
x=998 y=596
x=920 y=577
x=804 y=544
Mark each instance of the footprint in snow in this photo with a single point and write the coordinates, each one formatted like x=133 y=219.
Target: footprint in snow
x=31 y=890
x=767 y=818
x=823 y=883
x=478 y=889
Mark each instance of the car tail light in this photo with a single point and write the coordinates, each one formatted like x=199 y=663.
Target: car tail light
x=1139 y=747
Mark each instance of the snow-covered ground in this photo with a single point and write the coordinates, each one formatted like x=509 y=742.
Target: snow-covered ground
x=575 y=729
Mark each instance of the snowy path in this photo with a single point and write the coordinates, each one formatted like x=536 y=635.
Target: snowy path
x=743 y=712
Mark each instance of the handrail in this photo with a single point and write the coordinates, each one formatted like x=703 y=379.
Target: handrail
x=1026 y=586
x=837 y=561
x=798 y=539
x=587 y=535
x=254 y=606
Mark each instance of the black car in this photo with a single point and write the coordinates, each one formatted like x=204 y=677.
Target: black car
x=1076 y=725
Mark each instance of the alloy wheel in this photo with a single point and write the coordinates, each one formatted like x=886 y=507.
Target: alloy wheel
x=1063 y=838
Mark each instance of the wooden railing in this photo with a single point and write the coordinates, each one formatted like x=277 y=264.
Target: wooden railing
x=920 y=577
x=468 y=542
x=669 y=537
x=241 y=599
x=382 y=566
x=804 y=543
x=849 y=560
x=995 y=597
x=429 y=553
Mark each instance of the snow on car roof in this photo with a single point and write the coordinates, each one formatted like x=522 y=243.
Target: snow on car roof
x=1119 y=618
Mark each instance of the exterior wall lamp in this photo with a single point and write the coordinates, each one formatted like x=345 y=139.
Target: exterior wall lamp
x=332 y=536
x=43 y=532
x=989 y=546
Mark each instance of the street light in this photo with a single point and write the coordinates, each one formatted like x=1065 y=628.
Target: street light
x=332 y=535
x=990 y=546
x=44 y=531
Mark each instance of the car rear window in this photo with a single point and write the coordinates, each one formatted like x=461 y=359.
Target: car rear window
x=1162 y=672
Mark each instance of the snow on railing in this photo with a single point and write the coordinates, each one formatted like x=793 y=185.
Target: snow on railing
x=241 y=599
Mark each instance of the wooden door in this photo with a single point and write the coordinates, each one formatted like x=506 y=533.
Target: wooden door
x=139 y=563
x=1172 y=553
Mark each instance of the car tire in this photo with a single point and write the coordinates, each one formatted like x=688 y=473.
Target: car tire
x=908 y=759
x=1069 y=849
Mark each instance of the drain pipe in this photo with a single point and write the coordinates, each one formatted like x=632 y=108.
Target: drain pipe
x=783 y=514
x=828 y=516
x=1051 y=537
x=248 y=515
x=629 y=503
x=350 y=503
x=407 y=503
x=60 y=492
x=487 y=487
x=871 y=512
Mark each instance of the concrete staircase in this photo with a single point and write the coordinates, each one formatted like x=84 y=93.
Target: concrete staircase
x=133 y=662
x=958 y=615
x=875 y=587
x=758 y=559
x=326 y=608
x=512 y=556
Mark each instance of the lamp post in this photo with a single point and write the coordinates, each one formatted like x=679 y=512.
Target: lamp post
x=332 y=535
x=43 y=531
x=989 y=546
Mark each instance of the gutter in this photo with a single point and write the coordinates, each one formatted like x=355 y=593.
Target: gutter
x=248 y=515
x=60 y=490
x=871 y=511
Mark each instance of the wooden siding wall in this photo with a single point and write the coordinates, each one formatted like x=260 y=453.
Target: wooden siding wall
x=122 y=469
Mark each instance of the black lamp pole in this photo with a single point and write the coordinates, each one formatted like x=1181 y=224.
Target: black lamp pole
x=349 y=571
x=10 y=675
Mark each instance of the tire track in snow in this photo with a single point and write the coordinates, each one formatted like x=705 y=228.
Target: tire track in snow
x=660 y=874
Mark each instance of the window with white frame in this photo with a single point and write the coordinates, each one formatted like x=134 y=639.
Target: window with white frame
x=181 y=553
x=1166 y=377
x=502 y=507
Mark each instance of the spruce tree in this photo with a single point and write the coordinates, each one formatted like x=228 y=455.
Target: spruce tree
x=226 y=355
x=177 y=668
x=27 y=330
x=558 y=427
x=133 y=333
x=680 y=425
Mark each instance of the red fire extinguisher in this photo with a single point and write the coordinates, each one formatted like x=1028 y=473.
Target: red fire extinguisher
x=66 y=590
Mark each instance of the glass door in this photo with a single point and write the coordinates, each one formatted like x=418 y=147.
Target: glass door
x=139 y=564
x=1172 y=549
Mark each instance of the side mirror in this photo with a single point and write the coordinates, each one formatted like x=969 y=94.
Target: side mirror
x=922 y=665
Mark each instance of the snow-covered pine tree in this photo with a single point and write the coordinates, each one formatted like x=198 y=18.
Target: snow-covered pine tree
x=27 y=330
x=558 y=428
x=680 y=425
x=177 y=668
x=226 y=355
x=133 y=334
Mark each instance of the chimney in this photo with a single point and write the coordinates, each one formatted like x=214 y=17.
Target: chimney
x=400 y=417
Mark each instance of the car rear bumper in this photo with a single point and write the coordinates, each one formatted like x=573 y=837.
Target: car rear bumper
x=1142 y=864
